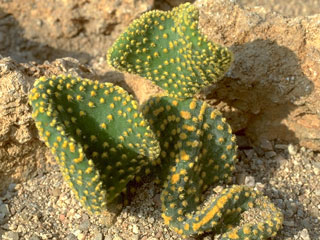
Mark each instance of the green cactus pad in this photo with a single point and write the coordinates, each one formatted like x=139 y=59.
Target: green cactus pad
x=168 y=49
x=94 y=129
x=198 y=151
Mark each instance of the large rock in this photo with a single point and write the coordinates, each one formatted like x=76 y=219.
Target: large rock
x=22 y=154
x=272 y=90
x=64 y=28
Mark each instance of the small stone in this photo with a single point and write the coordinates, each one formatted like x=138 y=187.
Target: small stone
x=306 y=223
x=12 y=187
x=240 y=178
x=260 y=186
x=289 y=223
x=4 y=208
x=151 y=220
x=98 y=236
x=249 y=181
x=270 y=154
x=2 y=217
x=135 y=229
x=266 y=145
x=249 y=153
x=292 y=149
x=11 y=236
x=280 y=160
x=207 y=238
x=304 y=234
x=281 y=146
x=71 y=236
x=85 y=224
x=34 y=237
x=289 y=213
x=117 y=237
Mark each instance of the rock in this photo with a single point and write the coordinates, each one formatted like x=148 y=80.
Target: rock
x=98 y=236
x=4 y=209
x=84 y=226
x=292 y=149
x=71 y=236
x=117 y=237
x=266 y=145
x=249 y=181
x=11 y=236
x=34 y=237
x=250 y=153
x=270 y=154
x=135 y=229
x=22 y=154
x=57 y=24
x=290 y=223
x=304 y=234
x=274 y=74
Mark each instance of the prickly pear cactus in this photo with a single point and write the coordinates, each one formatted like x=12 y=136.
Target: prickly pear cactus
x=198 y=150
x=99 y=138
x=168 y=49
x=102 y=142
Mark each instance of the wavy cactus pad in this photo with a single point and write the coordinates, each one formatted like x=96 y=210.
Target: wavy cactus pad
x=168 y=49
x=198 y=151
x=94 y=129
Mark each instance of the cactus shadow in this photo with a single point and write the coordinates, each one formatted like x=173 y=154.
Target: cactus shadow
x=22 y=50
x=263 y=88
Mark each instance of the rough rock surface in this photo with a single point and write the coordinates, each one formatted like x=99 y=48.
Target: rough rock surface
x=272 y=90
x=21 y=151
x=62 y=28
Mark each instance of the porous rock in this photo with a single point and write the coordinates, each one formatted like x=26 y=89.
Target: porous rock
x=63 y=28
x=22 y=154
x=274 y=81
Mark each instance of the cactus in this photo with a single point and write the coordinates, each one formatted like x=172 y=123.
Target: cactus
x=94 y=129
x=103 y=142
x=198 y=150
x=168 y=49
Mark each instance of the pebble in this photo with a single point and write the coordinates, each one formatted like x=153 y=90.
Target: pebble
x=11 y=236
x=249 y=181
x=71 y=236
x=98 y=236
x=34 y=237
x=304 y=234
x=84 y=226
x=135 y=229
x=289 y=223
x=12 y=187
x=249 y=153
x=281 y=146
x=266 y=145
x=151 y=220
x=270 y=154
x=292 y=149
x=4 y=208
x=117 y=237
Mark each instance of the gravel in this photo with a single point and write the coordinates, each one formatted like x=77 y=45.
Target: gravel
x=45 y=208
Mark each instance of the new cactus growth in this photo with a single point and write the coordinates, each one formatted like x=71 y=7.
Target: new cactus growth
x=99 y=138
x=168 y=49
x=102 y=141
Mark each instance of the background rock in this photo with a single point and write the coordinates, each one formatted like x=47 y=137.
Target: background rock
x=22 y=154
x=62 y=28
x=272 y=90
